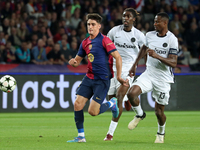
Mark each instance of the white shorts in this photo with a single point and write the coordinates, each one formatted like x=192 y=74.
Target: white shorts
x=114 y=83
x=160 y=90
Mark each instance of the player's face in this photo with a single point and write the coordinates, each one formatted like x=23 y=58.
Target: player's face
x=159 y=23
x=128 y=19
x=93 y=27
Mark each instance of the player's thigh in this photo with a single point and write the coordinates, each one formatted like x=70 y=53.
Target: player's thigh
x=144 y=81
x=100 y=90
x=161 y=92
x=94 y=108
x=113 y=86
x=85 y=89
x=122 y=90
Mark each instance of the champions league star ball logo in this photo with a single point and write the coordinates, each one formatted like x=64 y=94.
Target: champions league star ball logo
x=164 y=45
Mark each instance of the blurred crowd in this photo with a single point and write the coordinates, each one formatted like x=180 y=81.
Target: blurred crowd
x=50 y=31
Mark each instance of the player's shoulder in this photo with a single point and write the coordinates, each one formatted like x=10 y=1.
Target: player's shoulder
x=136 y=30
x=105 y=39
x=117 y=28
x=151 y=33
x=85 y=41
x=139 y=34
x=170 y=34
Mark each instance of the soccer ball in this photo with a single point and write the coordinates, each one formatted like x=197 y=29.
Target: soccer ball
x=7 y=83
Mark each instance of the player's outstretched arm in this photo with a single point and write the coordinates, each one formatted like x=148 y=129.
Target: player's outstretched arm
x=141 y=54
x=75 y=62
x=118 y=58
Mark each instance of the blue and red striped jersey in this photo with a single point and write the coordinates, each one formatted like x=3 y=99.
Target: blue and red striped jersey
x=100 y=62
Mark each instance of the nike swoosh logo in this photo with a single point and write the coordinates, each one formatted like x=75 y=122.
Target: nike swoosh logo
x=117 y=37
x=98 y=98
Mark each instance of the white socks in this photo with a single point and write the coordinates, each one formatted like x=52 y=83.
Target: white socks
x=161 y=129
x=81 y=134
x=113 y=126
x=138 y=110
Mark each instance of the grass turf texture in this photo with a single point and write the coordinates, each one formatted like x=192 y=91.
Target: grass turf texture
x=50 y=131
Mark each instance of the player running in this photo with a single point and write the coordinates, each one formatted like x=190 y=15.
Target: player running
x=99 y=50
x=127 y=40
x=161 y=50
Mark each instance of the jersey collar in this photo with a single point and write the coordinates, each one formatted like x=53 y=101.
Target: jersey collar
x=163 y=35
x=128 y=31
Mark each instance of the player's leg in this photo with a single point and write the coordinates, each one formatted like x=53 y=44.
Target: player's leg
x=161 y=96
x=133 y=94
x=96 y=107
x=84 y=93
x=159 y=111
x=112 y=127
x=121 y=91
x=142 y=84
x=127 y=103
x=79 y=118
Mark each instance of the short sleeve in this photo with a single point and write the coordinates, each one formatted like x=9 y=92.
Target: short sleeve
x=146 y=40
x=142 y=40
x=81 y=51
x=173 y=49
x=108 y=45
x=111 y=34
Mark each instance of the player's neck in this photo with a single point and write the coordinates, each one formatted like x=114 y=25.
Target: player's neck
x=127 y=29
x=93 y=36
x=163 y=32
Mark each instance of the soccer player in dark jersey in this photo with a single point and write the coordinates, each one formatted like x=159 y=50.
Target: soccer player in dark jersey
x=100 y=51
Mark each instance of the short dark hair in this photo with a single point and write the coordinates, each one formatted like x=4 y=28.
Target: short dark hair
x=163 y=15
x=133 y=11
x=94 y=16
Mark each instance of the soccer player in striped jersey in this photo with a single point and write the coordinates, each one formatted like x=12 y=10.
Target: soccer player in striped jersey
x=128 y=41
x=161 y=49
x=100 y=51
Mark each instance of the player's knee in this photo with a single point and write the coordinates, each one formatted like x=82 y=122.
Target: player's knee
x=93 y=112
x=77 y=106
x=132 y=95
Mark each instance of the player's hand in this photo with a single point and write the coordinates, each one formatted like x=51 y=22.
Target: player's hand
x=152 y=53
x=72 y=62
x=123 y=82
x=132 y=71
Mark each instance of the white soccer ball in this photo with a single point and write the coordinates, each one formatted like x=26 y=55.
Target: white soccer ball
x=7 y=83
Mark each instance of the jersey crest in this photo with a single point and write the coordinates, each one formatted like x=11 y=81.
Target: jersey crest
x=132 y=39
x=164 y=44
x=90 y=46
x=91 y=57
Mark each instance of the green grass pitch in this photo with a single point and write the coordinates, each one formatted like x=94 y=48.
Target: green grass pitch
x=50 y=131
